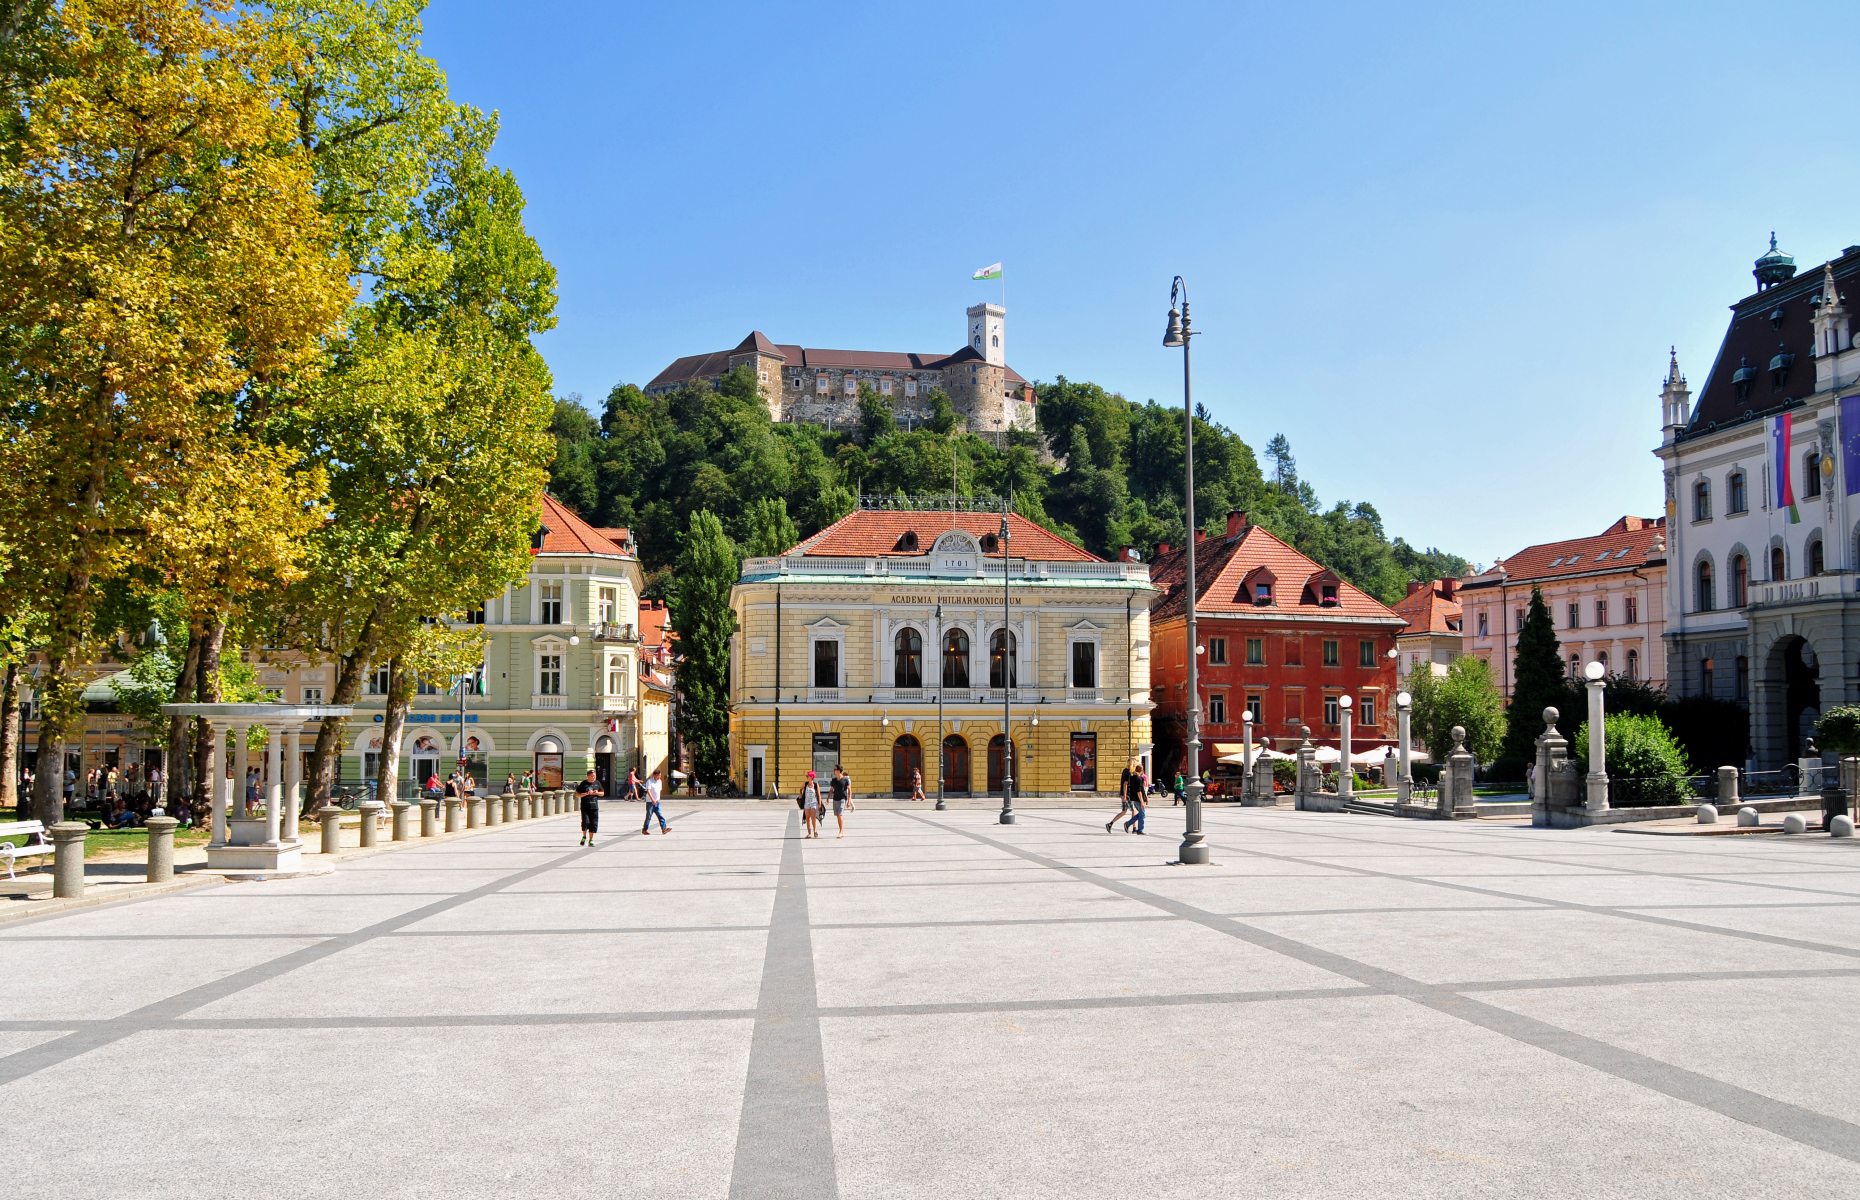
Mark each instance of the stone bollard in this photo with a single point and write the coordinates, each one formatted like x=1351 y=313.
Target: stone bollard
x=522 y=803
x=161 y=848
x=429 y=818
x=509 y=806
x=401 y=809
x=555 y=802
x=1708 y=814
x=331 y=816
x=492 y=810
x=471 y=811
x=1841 y=827
x=455 y=819
x=68 y=858
x=1795 y=823
x=1727 y=787
x=371 y=821
x=1747 y=817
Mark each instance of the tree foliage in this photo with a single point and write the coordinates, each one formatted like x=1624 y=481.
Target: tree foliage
x=707 y=569
x=1465 y=696
x=1537 y=683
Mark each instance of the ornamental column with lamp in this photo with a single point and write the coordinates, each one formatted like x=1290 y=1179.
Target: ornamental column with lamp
x=1404 y=775
x=1010 y=674
x=1246 y=755
x=1346 y=770
x=1595 y=789
x=1194 y=849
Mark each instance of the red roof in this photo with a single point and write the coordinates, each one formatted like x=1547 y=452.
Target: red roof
x=569 y=534
x=880 y=533
x=1629 y=543
x=1429 y=608
x=1222 y=565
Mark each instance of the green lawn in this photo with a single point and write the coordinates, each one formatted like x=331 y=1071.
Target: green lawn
x=124 y=841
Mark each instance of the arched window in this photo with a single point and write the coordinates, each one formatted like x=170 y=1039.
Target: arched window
x=955 y=764
x=1633 y=664
x=1003 y=660
x=956 y=659
x=907 y=757
x=1602 y=657
x=1777 y=570
x=1739 y=498
x=1815 y=560
x=1701 y=500
x=1740 y=581
x=1704 y=600
x=908 y=668
x=1811 y=471
x=994 y=763
x=1575 y=666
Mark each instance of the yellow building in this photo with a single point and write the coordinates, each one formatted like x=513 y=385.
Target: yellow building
x=882 y=636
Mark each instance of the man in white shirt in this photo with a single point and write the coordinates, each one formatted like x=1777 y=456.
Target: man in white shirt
x=654 y=788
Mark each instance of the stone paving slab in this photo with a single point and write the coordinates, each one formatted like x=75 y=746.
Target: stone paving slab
x=942 y=1006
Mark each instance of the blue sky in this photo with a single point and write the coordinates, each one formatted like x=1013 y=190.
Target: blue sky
x=1443 y=249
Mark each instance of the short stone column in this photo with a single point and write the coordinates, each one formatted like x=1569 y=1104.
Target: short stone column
x=1552 y=751
x=1456 y=793
x=520 y=808
x=1595 y=784
x=493 y=810
x=1808 y=771
x=429 y=817
x=68 y=858
x=1265 y=792
x=331 y=816
x=470 y=804
x=555 y=801
x=1727 y=788
x=161 y=848
x=509 y=804
x=455 y=818
x=371 y=821
x=401 y=808
x=1346 y=770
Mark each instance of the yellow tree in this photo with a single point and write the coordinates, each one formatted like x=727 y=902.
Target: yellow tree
x=161 y=252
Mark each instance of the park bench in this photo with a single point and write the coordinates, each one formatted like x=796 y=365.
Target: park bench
x=36 y=847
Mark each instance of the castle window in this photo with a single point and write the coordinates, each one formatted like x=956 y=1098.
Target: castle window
x=852 y=385
x=910 y=387
x=1811 y=469
x=884 y=386
x=823 y=386
x=1740 y=495
x=1701 y=501
x=1815 y=561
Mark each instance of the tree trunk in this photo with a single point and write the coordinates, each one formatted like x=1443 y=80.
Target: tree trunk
x=179 y=760
x=208 y=767
x=59 y=712
x=399 y=700
x=9 y=738
x=351 y=669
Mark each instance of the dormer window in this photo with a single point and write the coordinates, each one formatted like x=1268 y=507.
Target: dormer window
x=1779 y=366
x=1327 y=593
x=908 y=543
x=1776 y=318
x=990 y=543
x=1256 y=587
x=1262 y=594
x=1742 y=378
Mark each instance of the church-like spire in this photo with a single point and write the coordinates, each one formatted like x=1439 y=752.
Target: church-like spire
x=1830 y=295
x=1675 y=398
x=1672 y=367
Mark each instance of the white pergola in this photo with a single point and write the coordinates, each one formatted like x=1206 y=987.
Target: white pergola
x=239 y=845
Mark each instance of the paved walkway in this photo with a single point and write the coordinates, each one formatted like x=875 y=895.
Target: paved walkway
x=940 y=1006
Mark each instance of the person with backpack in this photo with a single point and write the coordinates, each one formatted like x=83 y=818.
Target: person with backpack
x=809 y=803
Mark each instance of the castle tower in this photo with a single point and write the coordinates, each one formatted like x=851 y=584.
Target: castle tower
x=988 y=332
x=1675 y=400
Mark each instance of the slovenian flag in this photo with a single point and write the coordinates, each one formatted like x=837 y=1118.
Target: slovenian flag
x=989 y=272
x=1785 y=490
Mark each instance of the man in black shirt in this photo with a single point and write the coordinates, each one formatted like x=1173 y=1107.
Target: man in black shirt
x=590 y=792
x=841 y=791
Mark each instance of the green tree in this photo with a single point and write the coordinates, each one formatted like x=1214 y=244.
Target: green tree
x=1284 y=466
x=875 y=416
x=1645 y=763
x=943 y=418
x=707 y=569
x=1465 y=696
x=770 y=529
x=1537 y=683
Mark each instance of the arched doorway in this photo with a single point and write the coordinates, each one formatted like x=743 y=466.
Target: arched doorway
x=955 y=764
x=1793 y=685
x=995 y=744
x=907 y=755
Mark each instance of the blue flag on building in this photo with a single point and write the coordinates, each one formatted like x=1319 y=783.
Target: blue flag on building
x=1850 y=442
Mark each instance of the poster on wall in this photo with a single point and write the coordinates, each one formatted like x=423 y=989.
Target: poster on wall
x=548 y=770
x=1085 y=761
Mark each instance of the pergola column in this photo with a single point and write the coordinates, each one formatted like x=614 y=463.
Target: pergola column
x=241 y=765
x=293 y=780
x=215 y=781
x=274 y=780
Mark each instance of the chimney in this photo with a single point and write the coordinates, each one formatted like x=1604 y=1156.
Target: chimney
x=1129 y=554
x=1201 y=535
x=1414 y=585
x=1162 y=549
x=1449 y=587
x=1236 y=521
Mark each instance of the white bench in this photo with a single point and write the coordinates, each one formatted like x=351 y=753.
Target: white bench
x=37 y=846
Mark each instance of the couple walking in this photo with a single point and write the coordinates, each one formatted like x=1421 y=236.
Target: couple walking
x=591 y=792
x=1133 y=799
x=810 y=803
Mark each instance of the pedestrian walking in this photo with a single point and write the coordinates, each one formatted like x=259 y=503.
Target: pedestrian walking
x=1123 y=796
x=809 y=802
x=655 y=787
x=633 y=790
x=590 y=792
x=840 y=787
x=917 y=783
x=1181 y=789
x=1135 y=791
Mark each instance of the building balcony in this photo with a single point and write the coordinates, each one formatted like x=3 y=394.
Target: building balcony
x=539 y=700
x=1830 y=585
x=823 y=695
x=1079 y=695
x=624 y=632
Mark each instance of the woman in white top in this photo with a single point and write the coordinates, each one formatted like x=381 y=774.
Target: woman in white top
x=810 y=806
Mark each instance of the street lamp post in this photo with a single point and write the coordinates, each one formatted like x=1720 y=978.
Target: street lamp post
x=1246 y=754
x=1596 y=789
x=1194 y=849
x=1346 y=770
x=941 y=663
x=1009 y=669
x=1403 y=704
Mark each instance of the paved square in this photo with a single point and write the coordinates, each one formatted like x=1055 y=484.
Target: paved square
x=942 y=1006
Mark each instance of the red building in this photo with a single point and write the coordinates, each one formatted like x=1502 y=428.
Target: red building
x=1280 y=635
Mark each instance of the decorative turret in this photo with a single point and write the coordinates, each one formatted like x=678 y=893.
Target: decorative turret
x=1774 y=267
x=1675 y=399
x=1832 y=333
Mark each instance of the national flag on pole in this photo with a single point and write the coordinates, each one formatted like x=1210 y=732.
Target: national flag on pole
x=992 y=271
x=1850 y=442
x=1780 y=430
